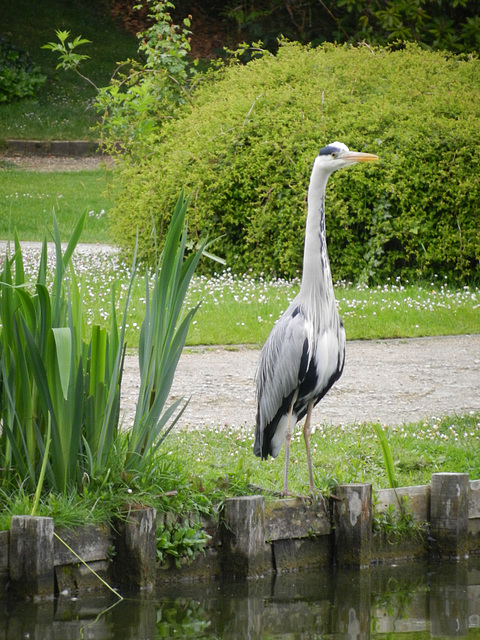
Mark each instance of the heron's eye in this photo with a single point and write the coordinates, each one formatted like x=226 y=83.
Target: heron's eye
x=334 y=154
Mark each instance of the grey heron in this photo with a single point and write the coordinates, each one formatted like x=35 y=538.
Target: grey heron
x=305 y=352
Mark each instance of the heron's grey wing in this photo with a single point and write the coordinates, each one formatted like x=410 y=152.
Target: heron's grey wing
x=280 y=364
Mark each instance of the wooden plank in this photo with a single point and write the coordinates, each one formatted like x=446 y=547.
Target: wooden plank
x=4 y=543
x=474 y=499
x=295 y=518
x=31 y=557
x=418 y=500
x=90 y=542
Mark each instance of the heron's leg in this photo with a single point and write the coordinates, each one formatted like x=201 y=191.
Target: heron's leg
x=288 y=437
x=306 y=436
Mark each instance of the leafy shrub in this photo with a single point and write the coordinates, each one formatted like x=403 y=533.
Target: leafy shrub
x=19 y=77
x=246 y=145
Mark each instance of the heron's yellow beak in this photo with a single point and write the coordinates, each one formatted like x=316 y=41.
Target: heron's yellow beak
x=358 y=156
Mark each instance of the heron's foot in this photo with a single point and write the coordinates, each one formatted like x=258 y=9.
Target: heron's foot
x=316 y=494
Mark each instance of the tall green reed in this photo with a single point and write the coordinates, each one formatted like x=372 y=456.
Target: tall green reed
x=162 y=338
x=60 y=390
x=387 y=455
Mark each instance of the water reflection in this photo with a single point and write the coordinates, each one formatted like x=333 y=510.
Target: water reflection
x=418 y=601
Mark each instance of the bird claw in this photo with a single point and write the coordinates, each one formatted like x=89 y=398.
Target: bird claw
x=315 y=494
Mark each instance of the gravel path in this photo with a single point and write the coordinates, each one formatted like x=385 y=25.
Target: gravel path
x=54 y=163
x=389 y=381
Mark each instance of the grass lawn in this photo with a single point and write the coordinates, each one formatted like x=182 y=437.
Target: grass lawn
x=239 y=309
x=28 y=199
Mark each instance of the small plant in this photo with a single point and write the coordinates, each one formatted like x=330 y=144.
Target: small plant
x=387 y=455
x=396 y=524
x=180 y=542
x=69 y=58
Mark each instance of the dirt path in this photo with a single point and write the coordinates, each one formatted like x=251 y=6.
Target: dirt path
x=389 y=381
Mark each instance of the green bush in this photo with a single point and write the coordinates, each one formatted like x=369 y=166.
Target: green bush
x=19 y=77
x=245 y=147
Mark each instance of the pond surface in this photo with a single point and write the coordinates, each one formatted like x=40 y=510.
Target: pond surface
x=404 y=603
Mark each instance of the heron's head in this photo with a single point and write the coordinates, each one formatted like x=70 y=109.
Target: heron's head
x=337 y=156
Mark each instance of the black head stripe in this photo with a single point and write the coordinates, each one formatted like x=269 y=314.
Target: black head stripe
x=326 y=151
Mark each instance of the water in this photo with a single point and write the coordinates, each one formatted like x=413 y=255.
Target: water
x=403 y=603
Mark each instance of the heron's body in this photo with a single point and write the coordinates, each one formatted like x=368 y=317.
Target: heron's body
x=305 y=352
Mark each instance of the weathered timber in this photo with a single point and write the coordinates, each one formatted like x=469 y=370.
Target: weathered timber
x=31 y=557
x=474 y=499
x=136 y=549
x=77 y=577
x=302 y=553
x=296 y=518
x=353 y=525
x=4 y=560
x=91 y=543
x=449 y=514
x=254 y=538
x=243 y=538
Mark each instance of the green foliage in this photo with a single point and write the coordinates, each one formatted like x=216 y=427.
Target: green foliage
x=59 y=392
x=19 y=76
x=60 y=384
x=396 y=524
x=62 y=109
x=135 y=102
x=181 y=542
x=387 y=455
x=69 y=59
x=246 y=146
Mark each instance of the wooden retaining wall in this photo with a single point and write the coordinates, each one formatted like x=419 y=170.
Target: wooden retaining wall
x=253 y=538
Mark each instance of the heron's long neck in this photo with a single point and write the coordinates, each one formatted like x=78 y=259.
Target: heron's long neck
x=317 y=279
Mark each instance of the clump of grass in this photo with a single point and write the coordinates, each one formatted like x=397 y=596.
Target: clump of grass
x=200 y=468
